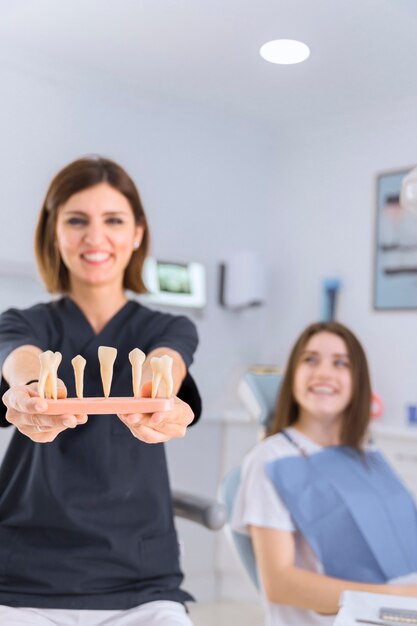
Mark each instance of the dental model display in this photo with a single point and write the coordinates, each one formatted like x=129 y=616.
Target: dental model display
x=161 y=372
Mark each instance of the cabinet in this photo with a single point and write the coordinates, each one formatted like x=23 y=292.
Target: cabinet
x=399 y=445
x=197 y=464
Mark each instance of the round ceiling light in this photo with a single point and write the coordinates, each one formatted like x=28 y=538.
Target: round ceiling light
x=284 y=51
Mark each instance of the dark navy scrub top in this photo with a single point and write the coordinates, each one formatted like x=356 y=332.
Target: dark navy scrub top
x=86 y=521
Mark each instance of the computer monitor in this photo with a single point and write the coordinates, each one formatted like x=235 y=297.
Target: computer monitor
x=172 y=283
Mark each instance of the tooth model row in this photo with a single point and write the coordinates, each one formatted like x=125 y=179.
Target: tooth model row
x=48 y=378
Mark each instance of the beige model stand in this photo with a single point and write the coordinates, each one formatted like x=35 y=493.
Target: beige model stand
x=48 y=385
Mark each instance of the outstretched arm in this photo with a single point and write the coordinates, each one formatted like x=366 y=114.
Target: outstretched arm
x=22 y=365
x=284 y=583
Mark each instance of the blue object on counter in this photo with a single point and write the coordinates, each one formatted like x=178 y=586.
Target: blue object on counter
x=331 y=287
x=412 y=414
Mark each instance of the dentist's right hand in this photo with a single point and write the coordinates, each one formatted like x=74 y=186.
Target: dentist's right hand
x=25 y=408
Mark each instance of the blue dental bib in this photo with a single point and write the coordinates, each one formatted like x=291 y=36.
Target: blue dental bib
x=352 y=509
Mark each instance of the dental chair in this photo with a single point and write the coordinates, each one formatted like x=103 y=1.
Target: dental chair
x=208 y=513
x=259 y=392
x=204 y=511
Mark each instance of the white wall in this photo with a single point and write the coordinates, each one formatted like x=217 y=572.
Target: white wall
x=324 y=220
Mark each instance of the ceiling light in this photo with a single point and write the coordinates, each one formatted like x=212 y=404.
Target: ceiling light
x=284 y=51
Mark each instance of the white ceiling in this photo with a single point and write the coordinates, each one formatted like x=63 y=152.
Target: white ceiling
x=363 y=52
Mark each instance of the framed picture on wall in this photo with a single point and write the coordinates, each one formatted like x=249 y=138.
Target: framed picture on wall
x=395 y=280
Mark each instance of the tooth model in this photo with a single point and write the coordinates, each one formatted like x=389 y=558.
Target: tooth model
x=162 y=370
x=136 y=358
x=107 y=357
x=78 y=363
x=48 y=377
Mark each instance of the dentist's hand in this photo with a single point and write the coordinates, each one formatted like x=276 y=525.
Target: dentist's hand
x=25 y=408
x=159 y=427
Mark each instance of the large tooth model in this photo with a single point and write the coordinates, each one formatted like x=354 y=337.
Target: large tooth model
x=136 y=358
x=48 y=377
x=78 y=363
x=162 y=370
x=107 y=357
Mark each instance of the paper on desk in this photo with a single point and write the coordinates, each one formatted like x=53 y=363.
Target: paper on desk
x=358 y=604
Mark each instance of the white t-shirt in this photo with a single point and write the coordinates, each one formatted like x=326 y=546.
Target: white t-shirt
x=257 y=503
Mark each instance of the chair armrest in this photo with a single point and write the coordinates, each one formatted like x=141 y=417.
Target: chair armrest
x=208 y=513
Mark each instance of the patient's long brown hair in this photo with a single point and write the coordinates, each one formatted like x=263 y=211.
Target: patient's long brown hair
x=357 y=414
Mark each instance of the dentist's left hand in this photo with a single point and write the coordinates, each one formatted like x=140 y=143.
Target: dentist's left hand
x=159 y=427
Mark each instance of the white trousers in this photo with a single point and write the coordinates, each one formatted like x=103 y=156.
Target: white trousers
x=161 y=613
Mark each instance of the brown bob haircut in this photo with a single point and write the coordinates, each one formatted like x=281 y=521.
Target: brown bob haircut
x=357 y=415
x=77 y=176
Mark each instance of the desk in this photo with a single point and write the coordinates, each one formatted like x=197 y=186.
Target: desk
x=357 y=604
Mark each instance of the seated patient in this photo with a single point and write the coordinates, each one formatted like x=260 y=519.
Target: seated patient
x=325 y=511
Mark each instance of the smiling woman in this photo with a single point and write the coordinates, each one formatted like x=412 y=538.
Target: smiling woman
x=105 y=537
x=316 y=496
x=90 y=188
x=326 y=386
x=96 y=234
x=323 y=384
